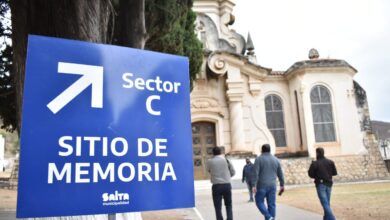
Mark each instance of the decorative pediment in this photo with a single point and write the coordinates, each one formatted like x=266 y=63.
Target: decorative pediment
x=208 y=33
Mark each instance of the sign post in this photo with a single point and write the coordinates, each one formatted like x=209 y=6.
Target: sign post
x=105 y=129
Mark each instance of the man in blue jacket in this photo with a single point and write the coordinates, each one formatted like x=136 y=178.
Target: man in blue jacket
x=249 y=176
x=267 y=169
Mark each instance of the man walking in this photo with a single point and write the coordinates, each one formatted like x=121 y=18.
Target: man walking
x=221 y=170
x=249 y=176
x=267 y=169
x=322 y=170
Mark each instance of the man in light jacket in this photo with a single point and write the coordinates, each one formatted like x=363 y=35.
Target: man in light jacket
x=221 y=170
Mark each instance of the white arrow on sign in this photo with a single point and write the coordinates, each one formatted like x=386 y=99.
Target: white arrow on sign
x=92 y=75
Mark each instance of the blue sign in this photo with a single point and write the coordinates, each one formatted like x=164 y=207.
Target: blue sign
x=105 y=129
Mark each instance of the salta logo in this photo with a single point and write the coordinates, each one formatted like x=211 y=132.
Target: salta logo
x=115 y=198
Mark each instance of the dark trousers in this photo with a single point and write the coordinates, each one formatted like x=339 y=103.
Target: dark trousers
x=222 y=191
x=250 y=187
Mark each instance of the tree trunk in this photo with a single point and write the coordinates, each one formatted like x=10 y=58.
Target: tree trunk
x=76 y=19
x=132 y=23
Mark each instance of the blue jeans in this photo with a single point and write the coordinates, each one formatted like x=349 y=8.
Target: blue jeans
x=323 y=192
x=268 y=193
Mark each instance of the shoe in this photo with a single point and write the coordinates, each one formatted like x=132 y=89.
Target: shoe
x=251 y=200
x=272 y=218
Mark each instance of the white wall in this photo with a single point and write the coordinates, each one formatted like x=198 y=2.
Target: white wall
x=280 y=87
x=349 y=139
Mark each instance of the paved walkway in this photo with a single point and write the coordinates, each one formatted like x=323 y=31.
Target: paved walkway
x=242 y=210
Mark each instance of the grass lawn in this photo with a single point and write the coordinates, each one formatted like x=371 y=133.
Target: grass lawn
x=349 y=201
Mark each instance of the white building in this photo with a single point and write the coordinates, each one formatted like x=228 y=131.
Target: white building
x=241 y=105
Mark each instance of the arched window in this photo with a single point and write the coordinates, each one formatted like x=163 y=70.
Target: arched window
x=275 y=119
x=321 y=107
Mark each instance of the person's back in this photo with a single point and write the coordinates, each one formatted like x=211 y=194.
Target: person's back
x=219 y=170
x=322 y=171
x=268 y=168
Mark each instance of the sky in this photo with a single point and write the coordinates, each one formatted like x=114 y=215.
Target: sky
x=357 y=31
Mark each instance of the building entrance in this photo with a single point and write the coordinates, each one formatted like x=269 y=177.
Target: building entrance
x=203 y=141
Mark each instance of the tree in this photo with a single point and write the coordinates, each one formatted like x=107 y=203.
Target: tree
x=180 y=38
x=166 y=26
x=131 y=19
x=76 y=19
x=7 y=92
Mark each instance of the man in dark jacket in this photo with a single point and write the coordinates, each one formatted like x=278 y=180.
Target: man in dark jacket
x=249 y=176
x=322 y=170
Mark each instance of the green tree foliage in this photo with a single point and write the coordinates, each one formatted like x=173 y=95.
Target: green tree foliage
x=172 y=31
x=169 y=26
x=70 y=19
x=7 y=92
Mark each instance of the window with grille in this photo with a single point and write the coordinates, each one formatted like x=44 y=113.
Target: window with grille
x=275 y=119
x=321 y=107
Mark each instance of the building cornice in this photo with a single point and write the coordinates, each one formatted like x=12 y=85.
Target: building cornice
x=319 y=66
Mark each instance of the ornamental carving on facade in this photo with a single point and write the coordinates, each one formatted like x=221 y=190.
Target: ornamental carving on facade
x=202 y=103
x=217 y=64
x=205 y=104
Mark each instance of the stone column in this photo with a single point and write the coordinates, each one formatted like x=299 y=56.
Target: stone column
x=236 y=126
x=308 y=137
x=219 y=66
x=235 y=95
